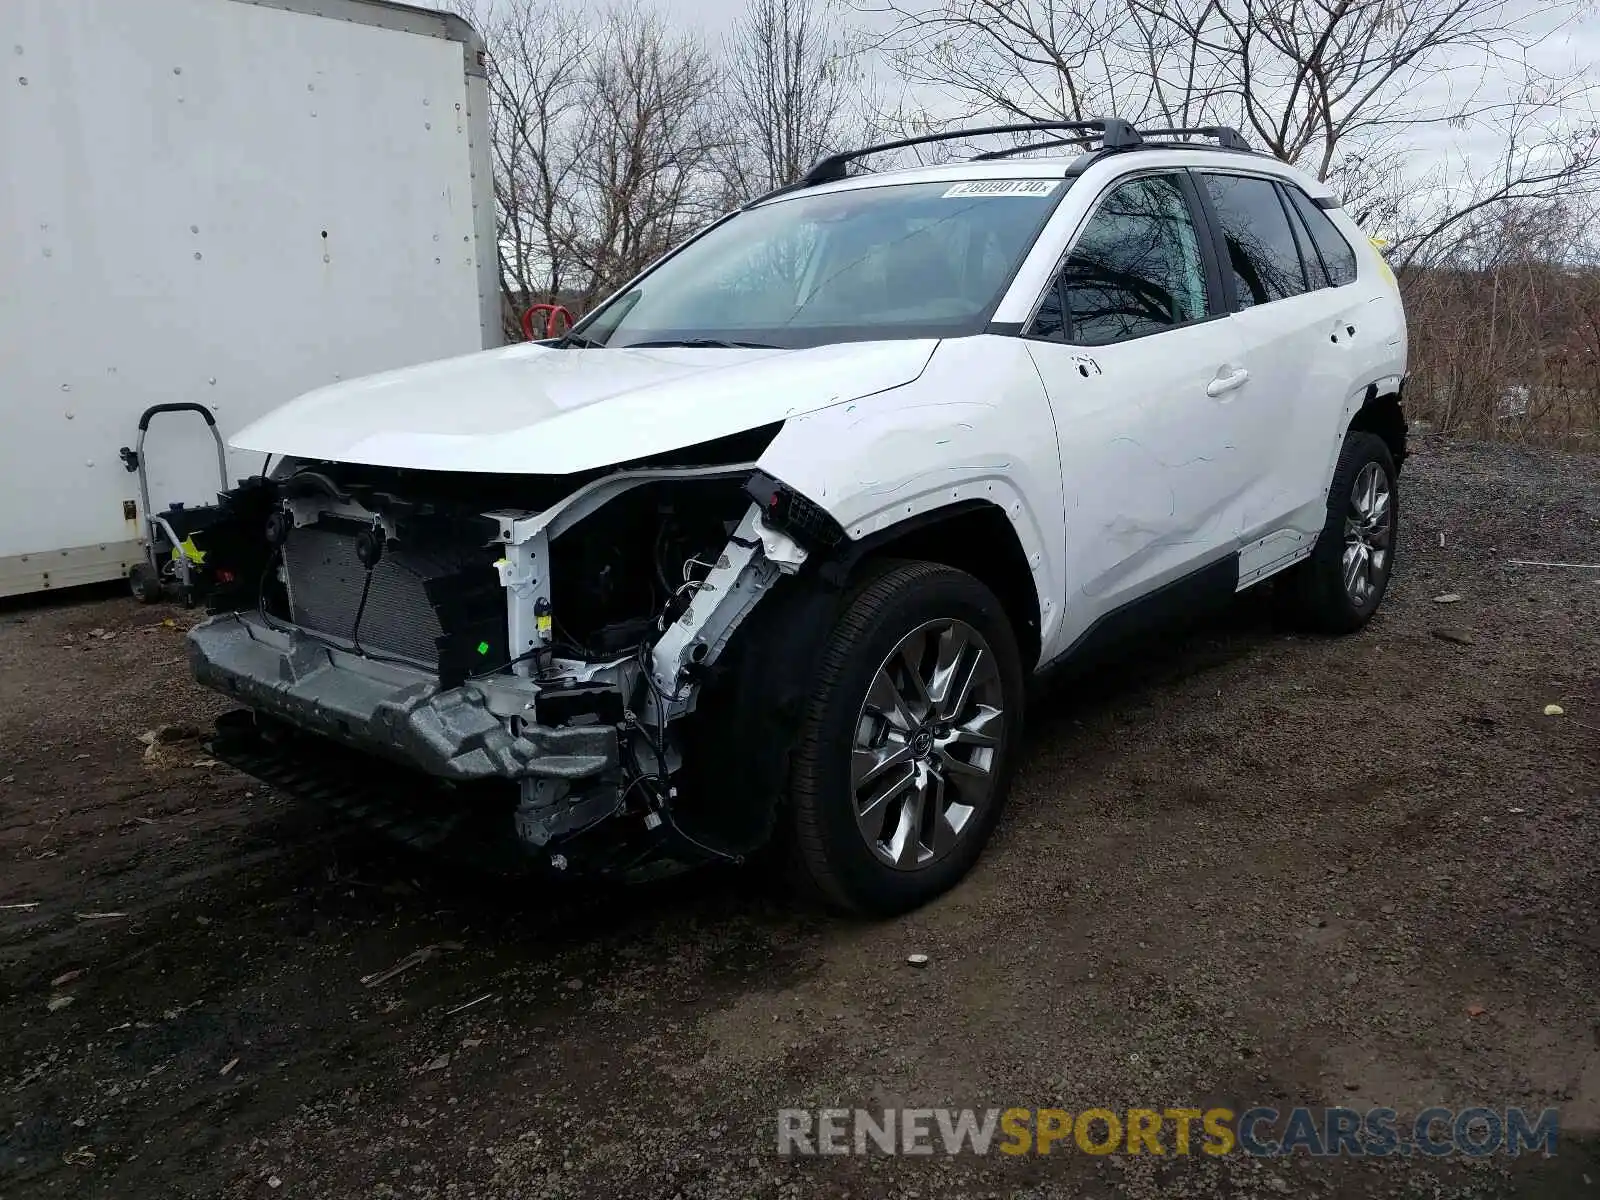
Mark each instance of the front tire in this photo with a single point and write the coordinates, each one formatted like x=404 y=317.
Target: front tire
x=905 y=748
x=1341 y=585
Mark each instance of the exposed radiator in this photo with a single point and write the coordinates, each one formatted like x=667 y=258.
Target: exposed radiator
x=324 y=584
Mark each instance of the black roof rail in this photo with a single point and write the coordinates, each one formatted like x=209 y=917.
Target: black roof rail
x=1227 y=137
x=1113 y=134
x=1008 y=151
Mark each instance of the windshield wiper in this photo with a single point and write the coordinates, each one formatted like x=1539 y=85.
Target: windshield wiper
x=578 y=340
x=702 y=343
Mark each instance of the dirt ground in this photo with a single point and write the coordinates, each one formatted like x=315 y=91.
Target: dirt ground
x=1248 y=868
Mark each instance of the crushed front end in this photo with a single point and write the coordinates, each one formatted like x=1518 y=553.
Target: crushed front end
x=530 y=651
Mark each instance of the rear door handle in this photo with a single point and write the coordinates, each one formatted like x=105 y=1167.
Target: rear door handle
x=1223 y=384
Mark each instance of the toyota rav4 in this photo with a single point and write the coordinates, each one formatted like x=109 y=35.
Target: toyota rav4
x=766 y=549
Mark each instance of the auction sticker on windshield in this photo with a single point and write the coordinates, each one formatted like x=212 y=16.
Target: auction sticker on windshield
x=1003 y=187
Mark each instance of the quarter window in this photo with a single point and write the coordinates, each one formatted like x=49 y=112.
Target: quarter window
x=1136 y=269
x=1337 y=256
x=1316 y=276
x=1261 y=250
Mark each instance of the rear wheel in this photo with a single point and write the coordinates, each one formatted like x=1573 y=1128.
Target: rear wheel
x=906 y=745
x=1341 y=585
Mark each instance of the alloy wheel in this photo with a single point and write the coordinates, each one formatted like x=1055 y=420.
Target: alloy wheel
x=1368 y=532
x=927 y=743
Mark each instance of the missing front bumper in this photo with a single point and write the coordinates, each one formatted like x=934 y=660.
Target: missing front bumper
x=479 y=731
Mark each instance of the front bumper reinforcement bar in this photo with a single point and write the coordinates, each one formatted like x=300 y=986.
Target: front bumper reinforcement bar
x=390 y=708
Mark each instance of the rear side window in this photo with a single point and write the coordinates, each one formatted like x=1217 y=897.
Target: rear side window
x=1136 y=269
x=1337 y=256
x=1262 y=255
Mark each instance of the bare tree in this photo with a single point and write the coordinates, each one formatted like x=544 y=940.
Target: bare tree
x=603 y=129
x=791 y=94
x=1543 y=168
x=537 y=87
x=1311 y=75
x=1342 y=88
x=1045 y=59
x=648 y=134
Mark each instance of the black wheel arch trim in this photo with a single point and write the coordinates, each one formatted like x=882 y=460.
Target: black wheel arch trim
x=1367 y=418
x=751 y=708
x=755 y=696
x=851 y=554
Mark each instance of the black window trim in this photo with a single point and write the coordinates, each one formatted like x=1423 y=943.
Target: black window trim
x=1302 y=238
x=1227 y=294
x=1277 y=181
x=1210 y=264
x=1211 y=248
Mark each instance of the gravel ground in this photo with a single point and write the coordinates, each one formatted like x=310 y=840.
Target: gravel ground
x=1245 y=868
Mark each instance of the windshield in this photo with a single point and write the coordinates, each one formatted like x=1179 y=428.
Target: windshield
x=897 y=261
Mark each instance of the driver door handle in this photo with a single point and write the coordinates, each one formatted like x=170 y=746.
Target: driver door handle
x=1223 y=384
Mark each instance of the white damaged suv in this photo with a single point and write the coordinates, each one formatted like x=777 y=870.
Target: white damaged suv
x=766 y=549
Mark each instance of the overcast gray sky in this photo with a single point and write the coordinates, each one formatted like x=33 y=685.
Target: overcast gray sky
x=1560 y=54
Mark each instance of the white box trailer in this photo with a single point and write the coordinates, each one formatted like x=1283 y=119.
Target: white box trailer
x=223 y=203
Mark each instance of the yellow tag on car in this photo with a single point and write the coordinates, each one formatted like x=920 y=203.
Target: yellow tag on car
x=1378 y=244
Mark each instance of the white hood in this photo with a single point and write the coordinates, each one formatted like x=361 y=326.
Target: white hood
x=531 y=409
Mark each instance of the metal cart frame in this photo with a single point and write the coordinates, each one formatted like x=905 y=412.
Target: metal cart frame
x=156 y=525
